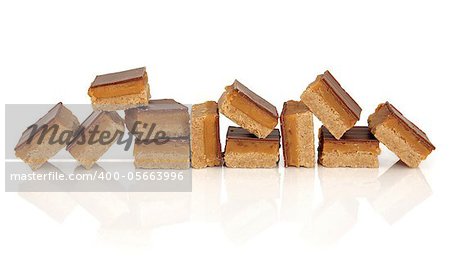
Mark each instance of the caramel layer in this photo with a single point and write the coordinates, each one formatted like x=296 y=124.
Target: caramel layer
x=134 y=86
x=211 y=135
x=248 y=146
x=357 y=139
x=290 y=141
x=351 y=147
x=240 y=141
x=251 y=109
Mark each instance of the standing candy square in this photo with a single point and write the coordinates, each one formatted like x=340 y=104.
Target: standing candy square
x=297 y=131
x=205 y=136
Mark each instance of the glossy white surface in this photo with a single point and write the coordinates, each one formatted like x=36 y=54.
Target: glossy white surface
x=50 y=51
x=312 y=216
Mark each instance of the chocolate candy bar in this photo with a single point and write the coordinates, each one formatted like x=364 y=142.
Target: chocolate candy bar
x=400 y=135
x=95 y=136
x=248 y=110
x=120 y=91
x=205 y=139
x=162 y=154
x=357 y=148
x=297 y=130
x=245 y=150
x=329 y=102
x=165 y=115
x=42 y=140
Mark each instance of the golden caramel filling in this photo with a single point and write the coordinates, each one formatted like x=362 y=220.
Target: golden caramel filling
x=251 y=109
x=321 y=87
x=291 y=141
x=351 y=147
x=120 y=89
x=210 y=136
x=394 y=123
x=249 y=146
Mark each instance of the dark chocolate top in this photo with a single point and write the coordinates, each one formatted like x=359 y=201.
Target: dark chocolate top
x=416 y=131
x=252 y=96
x=119 y=77
x=45 y=120
x=342 y=95
x=358 y=133
x=162 y=105
x=239 y=133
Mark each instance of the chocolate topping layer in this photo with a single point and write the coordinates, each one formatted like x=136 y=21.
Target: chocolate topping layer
x=256 y=99
x=342 y=95
x=242 y=134
x=43 y=121
x=162 y=105
x=358 y=133
x=119 y=77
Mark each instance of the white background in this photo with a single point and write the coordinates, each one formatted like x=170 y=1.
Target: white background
x=382 y=50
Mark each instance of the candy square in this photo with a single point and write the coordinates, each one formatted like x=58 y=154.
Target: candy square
x=248 y=110
x=245 y=150
x=95 y=136
x=329 y=102
x=120 y=91
x=400 y=135
x=45 y=138
x=357 y=148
